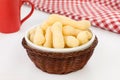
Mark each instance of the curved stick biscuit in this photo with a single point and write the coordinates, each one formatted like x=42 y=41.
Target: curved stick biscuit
x=70 y=31
x=31 y=34
x=39 y=38
x=58 y=39
x=48 y=37
x=44 y=25
x=82 y=37
x=71 y=41
x=83 y=24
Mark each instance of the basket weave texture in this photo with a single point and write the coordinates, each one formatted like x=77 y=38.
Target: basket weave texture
x=59 y=63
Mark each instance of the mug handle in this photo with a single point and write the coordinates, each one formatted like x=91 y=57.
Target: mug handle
x=23 y=1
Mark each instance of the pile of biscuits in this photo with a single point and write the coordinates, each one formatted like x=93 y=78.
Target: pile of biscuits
x=61 y=32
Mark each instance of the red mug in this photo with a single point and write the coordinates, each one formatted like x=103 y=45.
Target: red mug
x=10 y=20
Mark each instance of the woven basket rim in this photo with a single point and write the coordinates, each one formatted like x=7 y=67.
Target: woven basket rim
x=58 y=54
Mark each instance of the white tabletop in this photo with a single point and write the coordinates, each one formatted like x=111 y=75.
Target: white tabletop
x=15 y=64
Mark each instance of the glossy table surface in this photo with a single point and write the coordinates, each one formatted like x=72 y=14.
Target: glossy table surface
x=15 y=64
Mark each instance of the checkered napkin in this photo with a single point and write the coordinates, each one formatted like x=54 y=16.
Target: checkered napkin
x=104 y=14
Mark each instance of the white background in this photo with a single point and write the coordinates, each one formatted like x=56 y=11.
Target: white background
x=15 y=64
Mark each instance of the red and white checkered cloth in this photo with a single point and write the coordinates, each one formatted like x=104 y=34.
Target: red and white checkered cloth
x=104 y=14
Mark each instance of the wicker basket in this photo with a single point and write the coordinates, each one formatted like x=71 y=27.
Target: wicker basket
x=60 y=63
